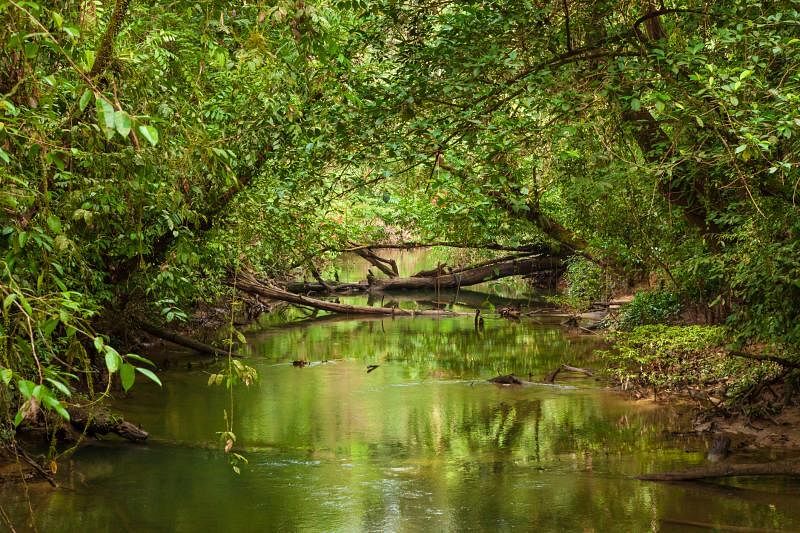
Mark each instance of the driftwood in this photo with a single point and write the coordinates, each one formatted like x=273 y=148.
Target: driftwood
x=790 y=467
x=551 y=377
x=180 y=340
x=103 y=423
x=249 y=283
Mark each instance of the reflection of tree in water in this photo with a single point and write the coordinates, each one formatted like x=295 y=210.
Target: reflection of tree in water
x=444 y=348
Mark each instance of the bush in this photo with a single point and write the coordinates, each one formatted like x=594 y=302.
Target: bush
x=650 y=307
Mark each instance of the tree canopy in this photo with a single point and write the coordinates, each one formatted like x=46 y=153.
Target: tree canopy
x=148 y=149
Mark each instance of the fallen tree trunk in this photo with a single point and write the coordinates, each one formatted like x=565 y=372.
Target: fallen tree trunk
x=329 y=286
x=790 y=467
x=250 y=284
x=180 y=340
x=103 y=423
x=472 y=276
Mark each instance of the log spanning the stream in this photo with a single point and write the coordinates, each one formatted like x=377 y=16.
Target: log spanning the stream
x=442 y=279
x=249 y=283
x=789 y=467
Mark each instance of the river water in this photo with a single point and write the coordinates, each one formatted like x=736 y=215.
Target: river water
x=421 y=443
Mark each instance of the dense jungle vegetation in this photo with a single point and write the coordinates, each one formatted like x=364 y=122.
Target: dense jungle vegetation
x=151 y=151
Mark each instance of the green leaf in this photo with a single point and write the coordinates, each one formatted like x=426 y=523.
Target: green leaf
x=745 y=74
x=636 y=105
x=127 y=375
x=99 y=343
x=8 y=300
x=122 y=121
x=741 y=148
x=53 y=403
x=113 y=359
x=149 y=374
x=26 y=388
x=149 y=133
x=18 y=418
x=85 y=97
x=139 y=358
x=5 y=375
x=60 y=386
x=105 y=116
x=54 y=224
x=4 y=156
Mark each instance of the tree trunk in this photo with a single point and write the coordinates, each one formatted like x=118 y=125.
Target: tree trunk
x=473 y=276
x=180 y=340
x=250 y=284
x=789 y=467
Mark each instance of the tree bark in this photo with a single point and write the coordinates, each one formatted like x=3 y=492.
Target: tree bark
x=103 y=423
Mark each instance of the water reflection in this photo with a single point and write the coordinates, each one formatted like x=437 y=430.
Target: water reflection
x=422 y=443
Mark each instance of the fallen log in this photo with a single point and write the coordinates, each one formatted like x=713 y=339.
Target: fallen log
x=472 y=276
x=329 y=286
x=789 y=467
x=103 y=423
x=248 y=283
x=551 y=377
x=180 y=340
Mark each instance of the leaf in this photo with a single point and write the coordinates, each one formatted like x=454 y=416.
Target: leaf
x=149 y=133
x=139 y=358
x=4 y=156
x=54 y=224
x=99 y=343
x=745 y=74
x=85 y=97
x=149 y=374
x=636 y=104
x=741 y=148
x=53 y=403
x=113 y=360
x=25 y=388
x=6 y=375
x=122 y=122
x=10 y=299
x=60 y=386
x=105 y=116
x=127 y=375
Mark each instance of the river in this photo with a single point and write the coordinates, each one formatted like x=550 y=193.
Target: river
x=421 y=443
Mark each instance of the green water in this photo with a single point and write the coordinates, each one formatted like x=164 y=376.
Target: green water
x=422 y=443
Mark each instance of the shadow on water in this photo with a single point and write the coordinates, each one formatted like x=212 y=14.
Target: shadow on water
x=422 y=443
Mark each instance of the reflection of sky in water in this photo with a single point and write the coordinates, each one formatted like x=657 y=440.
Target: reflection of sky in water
x=422 y=443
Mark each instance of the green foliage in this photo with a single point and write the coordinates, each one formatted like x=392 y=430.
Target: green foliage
x=650 y=307
x=586 y=283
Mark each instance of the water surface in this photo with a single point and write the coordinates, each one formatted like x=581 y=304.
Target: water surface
x=422 y=443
